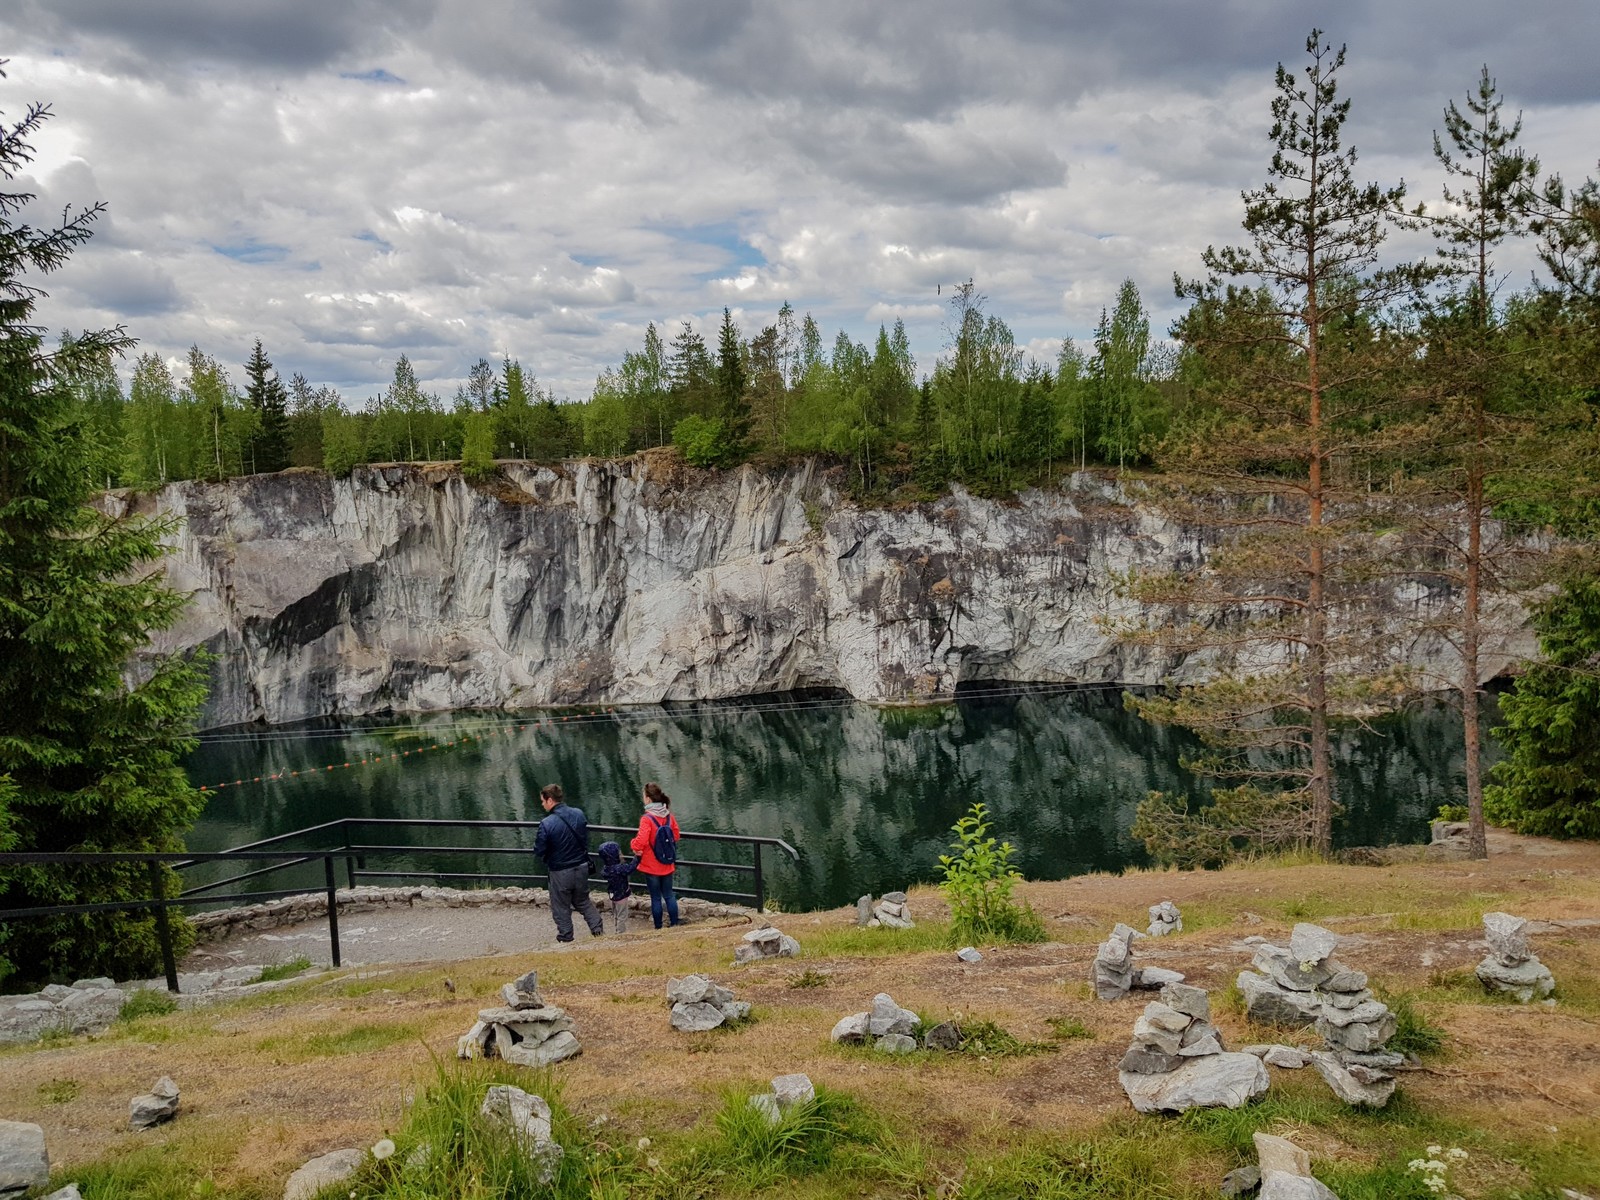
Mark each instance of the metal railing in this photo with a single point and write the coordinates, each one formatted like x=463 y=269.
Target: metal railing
x=340 y=842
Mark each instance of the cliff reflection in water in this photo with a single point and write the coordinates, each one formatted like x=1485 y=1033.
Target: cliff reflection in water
x=867 y=795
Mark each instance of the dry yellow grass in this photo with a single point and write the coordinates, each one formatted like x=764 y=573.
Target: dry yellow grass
x=270 y=1082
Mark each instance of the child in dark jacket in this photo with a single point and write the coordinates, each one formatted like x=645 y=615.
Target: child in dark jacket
x=616 y=872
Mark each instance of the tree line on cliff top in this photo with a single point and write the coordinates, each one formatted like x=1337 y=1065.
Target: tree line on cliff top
x=1336 y=421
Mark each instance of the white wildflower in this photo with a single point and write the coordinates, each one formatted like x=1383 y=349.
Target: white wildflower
x=1435 y=1151
x=383 y=1149
x=1456 y=1154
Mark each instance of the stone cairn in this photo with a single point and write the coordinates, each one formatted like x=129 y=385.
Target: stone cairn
x=889 y=1027
x=1305 y=985
x=155 y=1107
x=1511 y=967
x=1164 y=919
x=1285 y=1171
x=890 y=912
x=525 y=1030
x=698 y=1005
x=1178 y=1061
x=1113 y=973
x=788 y=1091
x=765 y=942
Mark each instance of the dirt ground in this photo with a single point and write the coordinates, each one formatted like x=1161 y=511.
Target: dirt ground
x=329 y=1063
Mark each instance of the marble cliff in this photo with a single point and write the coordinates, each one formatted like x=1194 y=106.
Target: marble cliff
x=405 y=588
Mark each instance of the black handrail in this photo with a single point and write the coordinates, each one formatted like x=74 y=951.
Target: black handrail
x=354 y=853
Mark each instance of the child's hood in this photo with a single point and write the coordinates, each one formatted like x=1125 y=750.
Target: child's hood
x=610 y=853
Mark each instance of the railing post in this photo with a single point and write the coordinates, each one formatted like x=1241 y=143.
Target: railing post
x=158 y=892
x=761 y=890
x=349 y=859
x=333 y=906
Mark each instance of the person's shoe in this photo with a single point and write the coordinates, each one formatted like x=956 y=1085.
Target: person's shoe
x=568 y=938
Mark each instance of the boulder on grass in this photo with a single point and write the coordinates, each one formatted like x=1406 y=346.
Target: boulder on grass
x=24 y=1162
x=1212 y=1081
x=323 y=1171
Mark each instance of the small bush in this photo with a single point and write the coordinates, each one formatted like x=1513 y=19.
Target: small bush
x=147 y=1002
x=985 y=1039
x=978 y=883
x=284 y=970
x=809 y=979
x=703 y=442
x=804 y=1142
x=59 y=1091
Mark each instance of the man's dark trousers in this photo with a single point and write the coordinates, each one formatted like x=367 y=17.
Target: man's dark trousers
x=569 y=889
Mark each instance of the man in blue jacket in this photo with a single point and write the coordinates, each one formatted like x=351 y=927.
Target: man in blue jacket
x=563 y=843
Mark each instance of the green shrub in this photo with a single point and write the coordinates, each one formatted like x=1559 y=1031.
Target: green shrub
x=147 y=1002
x=805 y=1140
x=978 y=883
x=1068 y=1029
x=1414 y=1033
x=702 y=442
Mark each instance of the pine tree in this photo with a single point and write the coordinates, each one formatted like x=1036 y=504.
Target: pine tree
x=269 y=401
x=1288 y=594
x=88 y=760
x=1472 y=435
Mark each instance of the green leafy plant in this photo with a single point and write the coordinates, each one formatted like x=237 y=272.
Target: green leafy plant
x=1069 y=1029
x=147 y=1002
x=809 y=979
x=978 y=884
x=1414 y=1032
x=284 y=970
x=59 y=1091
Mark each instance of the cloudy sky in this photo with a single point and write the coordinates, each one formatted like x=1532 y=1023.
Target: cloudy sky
x=350 y=180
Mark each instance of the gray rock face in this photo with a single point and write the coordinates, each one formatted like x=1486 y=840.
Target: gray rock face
x=766 y=942
x=1142 y=1060
x=1507 y=937
x=1153 y=978
x=323 y=1171
x=558 y=1047
x=697 y=989
x=24 y=1162
x=405 y=588
x=766 y=1104
x=1214 y=1081
x=70 y=1192
x=896 y=1043
x=944 y=1036
x=523 y=992
x=1287 y=1057
x=969 y=955
x=1280 y=1154
x=527 y=1118
x=792 y=1090
x=864 y=910
x=158 y=1105
x=1183 y=998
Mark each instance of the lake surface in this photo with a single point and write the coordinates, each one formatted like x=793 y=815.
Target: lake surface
x=867 y=795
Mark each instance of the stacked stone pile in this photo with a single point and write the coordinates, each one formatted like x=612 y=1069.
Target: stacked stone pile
x=1306 y=985
x=889 y=1027
x=765 y=942
x=890 y=912
x=158 y=1105
x=1511 y=967
x=1285 y=1171
x=1177 y=1060
x=699 y=1005
x=1164 y=919
x=788 y=1091
x=1114 y=973
x=526 y=1118
x=524 y=1030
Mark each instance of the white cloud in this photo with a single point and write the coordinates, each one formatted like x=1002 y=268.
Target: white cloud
x=452 y=180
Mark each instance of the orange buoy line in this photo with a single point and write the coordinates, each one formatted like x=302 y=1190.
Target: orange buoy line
x=375 y=759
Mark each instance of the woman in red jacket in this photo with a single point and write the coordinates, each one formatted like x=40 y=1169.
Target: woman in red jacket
x=656 y=844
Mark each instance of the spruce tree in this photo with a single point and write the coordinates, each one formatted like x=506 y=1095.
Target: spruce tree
x=1289 y=591
x=269 y=401
x=88 y=759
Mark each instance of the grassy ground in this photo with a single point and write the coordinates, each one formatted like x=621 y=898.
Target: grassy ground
x=344 y=1060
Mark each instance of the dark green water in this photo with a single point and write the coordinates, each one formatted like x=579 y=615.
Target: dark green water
x=867 y=795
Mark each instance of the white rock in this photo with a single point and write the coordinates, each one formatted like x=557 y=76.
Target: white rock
x=896 y=1043
x=157 y=1105
x=766 y=1104
x=1287 y=1057
x=1151 y=978
x=853 y=1028
x=323 y=1171
x=70 y=1192
x=969 y=955
x=1183 y=998
x=1356 y=1085
x=697 y=1017
x=471 y=1043
x=1312 y=943
x=527 y=1118
x=791 y=1090
x=559 y=1048
x=1523 y=982
x=1508 y=937
x=889 y=1017
x=1280 y=1185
